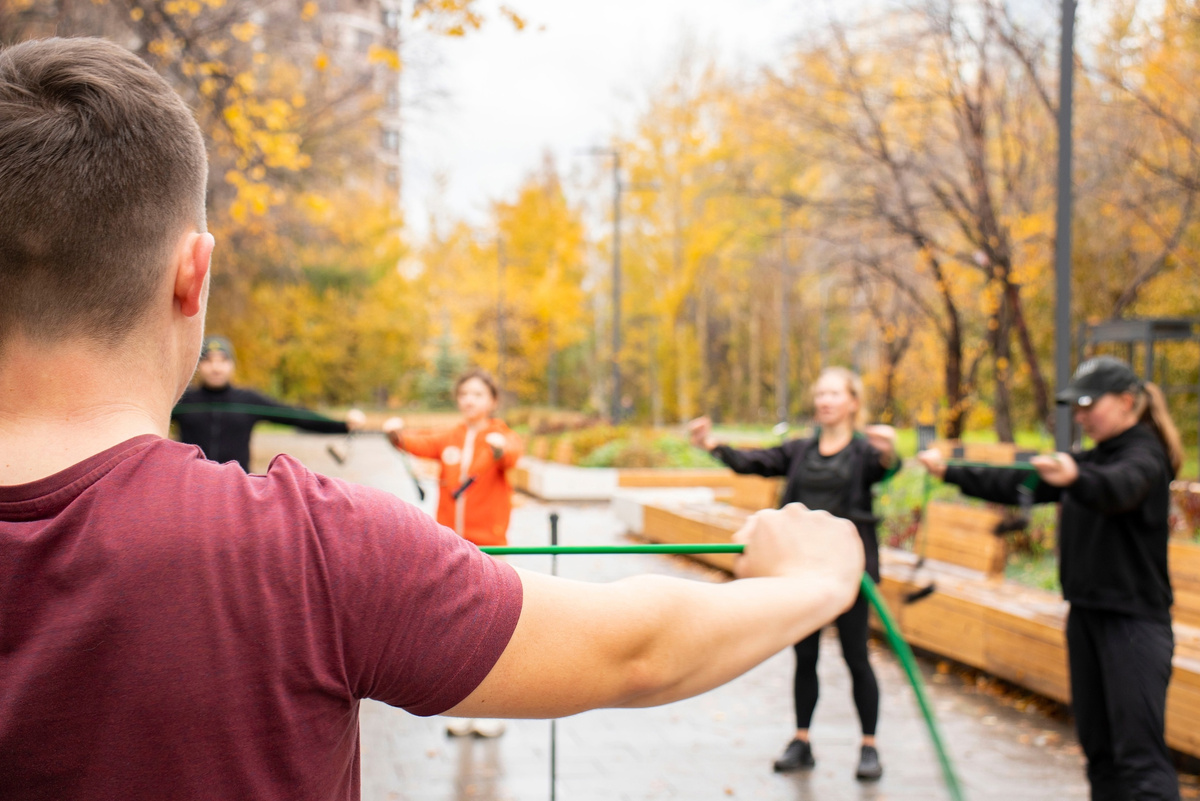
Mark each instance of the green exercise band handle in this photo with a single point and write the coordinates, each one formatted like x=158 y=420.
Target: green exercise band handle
x=903 y=652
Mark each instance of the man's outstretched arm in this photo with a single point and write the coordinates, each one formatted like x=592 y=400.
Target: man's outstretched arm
x=651 y=640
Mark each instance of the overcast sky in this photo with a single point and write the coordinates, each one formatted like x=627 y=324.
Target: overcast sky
x=487 y=106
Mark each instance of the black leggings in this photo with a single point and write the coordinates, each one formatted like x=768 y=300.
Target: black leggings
x=852 y=631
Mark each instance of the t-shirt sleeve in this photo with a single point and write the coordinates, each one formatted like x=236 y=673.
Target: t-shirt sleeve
x=422 y=615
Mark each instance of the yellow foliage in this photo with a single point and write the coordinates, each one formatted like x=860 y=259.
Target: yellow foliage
x=244 y=31
x=390 y=57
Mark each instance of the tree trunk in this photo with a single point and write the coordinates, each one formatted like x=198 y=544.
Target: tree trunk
x=656 y=399
x=702 y=346
x=956 y=413
x=1001 y=347
x=755 y=366
x=1041 y=392
x=683 y=398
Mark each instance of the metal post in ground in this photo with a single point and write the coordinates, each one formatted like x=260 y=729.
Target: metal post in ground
x=553 y=722
x=1062 y=239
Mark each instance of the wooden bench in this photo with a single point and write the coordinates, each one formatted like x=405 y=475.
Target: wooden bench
x=963 y=535
x=755 y=492
x=992 y=452
x=686 y=523
x=976 y=617
x=1183 y=560
x=665 y=477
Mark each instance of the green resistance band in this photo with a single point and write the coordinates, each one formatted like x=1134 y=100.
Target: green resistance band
x=903 y=652
x=252 y=408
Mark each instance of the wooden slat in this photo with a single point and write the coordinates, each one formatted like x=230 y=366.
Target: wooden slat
x=716 y=478
x=668 y=525
x=1183 y=714
x=962 y=535
x=1027 y=652
x=756 y=492
x=1183 y=560
x=993 y=452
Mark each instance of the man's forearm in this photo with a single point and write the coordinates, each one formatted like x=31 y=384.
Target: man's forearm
x=645 y=640
x=707 y=634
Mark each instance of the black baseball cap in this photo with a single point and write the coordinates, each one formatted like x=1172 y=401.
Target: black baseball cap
x=1099 y=376
x=216 y=344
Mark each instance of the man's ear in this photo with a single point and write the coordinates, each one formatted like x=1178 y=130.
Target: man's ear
x=191 y=272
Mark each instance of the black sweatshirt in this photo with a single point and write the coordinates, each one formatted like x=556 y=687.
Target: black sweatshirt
x=1113 y=529
x=225 y=435
x=788 y=460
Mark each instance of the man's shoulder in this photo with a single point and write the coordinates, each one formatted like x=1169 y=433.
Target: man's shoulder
x=288 y=501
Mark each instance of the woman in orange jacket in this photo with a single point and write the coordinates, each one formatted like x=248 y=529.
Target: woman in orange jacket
x=476 y=498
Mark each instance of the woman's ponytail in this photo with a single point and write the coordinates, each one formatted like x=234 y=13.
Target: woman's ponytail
x=1152 y=410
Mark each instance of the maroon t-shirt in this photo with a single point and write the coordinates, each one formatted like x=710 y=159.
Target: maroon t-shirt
x=174 y=628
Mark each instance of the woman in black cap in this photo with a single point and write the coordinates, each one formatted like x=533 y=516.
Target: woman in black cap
x=1112 y=541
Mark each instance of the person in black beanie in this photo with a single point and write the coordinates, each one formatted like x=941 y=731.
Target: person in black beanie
x=832 y=471
x=1112 y=539
x=224 y=434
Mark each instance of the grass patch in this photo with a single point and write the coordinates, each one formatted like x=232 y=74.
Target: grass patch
x=647 y=449
x=1039 y=571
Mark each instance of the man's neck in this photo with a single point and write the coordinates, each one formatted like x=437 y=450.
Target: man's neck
x=60 y=405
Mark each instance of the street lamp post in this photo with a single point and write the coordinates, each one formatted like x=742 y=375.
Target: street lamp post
x=1062 y=239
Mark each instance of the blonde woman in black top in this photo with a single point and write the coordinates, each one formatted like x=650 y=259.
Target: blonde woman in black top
x=832 y=471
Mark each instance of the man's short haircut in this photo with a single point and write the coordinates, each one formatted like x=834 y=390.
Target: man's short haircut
x=102 y=169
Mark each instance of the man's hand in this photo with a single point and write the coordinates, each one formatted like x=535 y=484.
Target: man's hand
x=650 y=640
x=883 y=439
x=1057 y=470
x=355 y=420
x=933 y=462
x=700 y=431
x=794 y=542
x=497 y=442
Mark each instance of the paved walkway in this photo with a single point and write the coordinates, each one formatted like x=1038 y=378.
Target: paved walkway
x=717 y=746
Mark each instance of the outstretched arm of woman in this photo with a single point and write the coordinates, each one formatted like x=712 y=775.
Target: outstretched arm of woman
x=422 y=444
x=995 y=484
x=767 y=462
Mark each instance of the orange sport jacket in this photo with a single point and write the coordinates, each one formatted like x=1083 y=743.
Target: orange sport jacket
x=481 y=513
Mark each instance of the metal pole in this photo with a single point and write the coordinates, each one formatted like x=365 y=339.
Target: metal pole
x=616 y=291
x=553 y=722
x=782 y=402
x=1062 y=241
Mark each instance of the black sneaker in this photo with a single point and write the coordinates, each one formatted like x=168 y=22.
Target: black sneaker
x=869 y=769
x=797 y=756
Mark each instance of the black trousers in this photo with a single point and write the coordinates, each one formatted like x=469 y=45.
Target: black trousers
x=1120 y=668
x=852 y=631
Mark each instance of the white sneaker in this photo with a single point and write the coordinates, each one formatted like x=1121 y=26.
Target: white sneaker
x=460 y=727
x=486 y=727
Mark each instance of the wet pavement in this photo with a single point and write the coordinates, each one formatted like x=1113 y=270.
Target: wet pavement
x=717 y=746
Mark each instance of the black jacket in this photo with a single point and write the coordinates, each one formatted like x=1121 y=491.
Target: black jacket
x=225 y=435
x=786 y=460
x=1113 y=529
